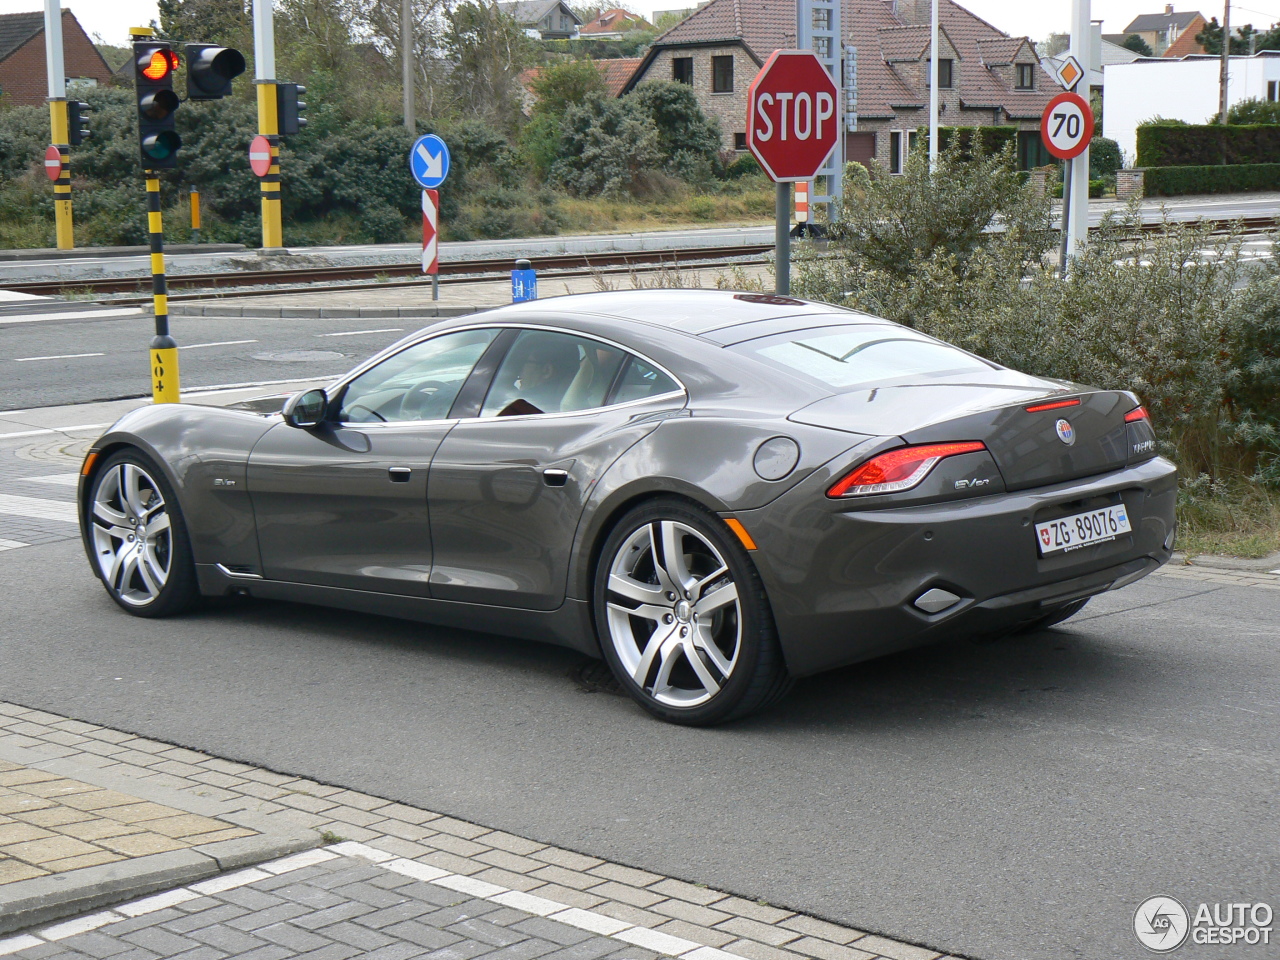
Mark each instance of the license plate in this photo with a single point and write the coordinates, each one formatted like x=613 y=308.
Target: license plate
x=1082 y=529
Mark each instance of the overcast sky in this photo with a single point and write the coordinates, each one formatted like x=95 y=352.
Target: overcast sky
x=1034 y=18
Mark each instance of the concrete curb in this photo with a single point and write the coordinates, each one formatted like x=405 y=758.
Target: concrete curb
x=28 y=903
x=81 y=253
x=381 y=313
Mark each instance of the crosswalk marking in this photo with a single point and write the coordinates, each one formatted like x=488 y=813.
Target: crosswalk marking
x=61 y=479
x=36 y=508
x=12 y=545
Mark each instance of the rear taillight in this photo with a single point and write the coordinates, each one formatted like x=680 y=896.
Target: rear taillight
x=899 y=469
x=1053 y=405
x=1136 y=414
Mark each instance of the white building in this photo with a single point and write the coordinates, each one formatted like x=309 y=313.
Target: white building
x=1185 y=89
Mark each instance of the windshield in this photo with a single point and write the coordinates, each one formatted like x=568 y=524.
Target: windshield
x=854 y=356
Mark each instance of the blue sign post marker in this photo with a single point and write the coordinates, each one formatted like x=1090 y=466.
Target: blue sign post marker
x=524 y=282
x=429 y=161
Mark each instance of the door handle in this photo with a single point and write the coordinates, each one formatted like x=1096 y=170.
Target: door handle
x=555 y=477
x=399 y=474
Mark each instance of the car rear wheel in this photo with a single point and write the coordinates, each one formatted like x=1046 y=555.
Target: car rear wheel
x=139 y=539
x=683 y=619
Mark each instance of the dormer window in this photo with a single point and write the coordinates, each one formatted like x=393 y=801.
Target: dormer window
x=1026 y=76
x=945 y=74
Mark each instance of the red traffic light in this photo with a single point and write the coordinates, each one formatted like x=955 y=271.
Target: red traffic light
x=160 y=64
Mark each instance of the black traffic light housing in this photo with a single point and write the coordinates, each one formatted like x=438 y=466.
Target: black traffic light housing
x=77 y=122
x=289 y=108
x=210 y=70
x=154 y=63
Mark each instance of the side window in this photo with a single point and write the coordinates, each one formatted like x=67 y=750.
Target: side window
x=418 y=383
x=546 y=372
x=640 y=381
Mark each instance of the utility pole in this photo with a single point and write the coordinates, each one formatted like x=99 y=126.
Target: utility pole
x=1226 y=59
x=1081 y=34
x=933 y=91
x=406 y=58
x=264 y=49
x=59 y=128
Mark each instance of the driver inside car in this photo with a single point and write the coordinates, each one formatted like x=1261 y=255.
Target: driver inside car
x=544 y=377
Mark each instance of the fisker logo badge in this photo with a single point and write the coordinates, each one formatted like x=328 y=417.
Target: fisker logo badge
x=1066 y=432
x=219 y=482
x=970 y=484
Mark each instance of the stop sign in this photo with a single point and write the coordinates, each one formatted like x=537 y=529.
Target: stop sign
x=792 y=115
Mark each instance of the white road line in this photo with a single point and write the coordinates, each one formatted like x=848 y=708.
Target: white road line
x=61 y=479
x=65 y=356
x=12 y=544
x=353 y=333
x=38 y=433
x=78 y=315
x=220 y=343
x=36 y=508
x=222 y=387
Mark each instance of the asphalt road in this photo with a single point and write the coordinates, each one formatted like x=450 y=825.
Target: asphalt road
x=53 y=362
x=1015 y=799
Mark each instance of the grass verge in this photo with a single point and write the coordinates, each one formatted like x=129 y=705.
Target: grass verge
x=1237 y=518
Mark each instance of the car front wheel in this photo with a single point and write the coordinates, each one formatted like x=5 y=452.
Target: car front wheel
x=683 y=618
x=138 y=537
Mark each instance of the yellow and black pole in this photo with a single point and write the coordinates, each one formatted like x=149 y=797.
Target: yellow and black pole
x=269 y=127
x=195 y=214
x=58 y=124
x=164 y=351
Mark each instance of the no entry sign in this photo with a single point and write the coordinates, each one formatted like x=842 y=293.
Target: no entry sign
x=52 y=162
x=260 y=155
x=1066 y=126
x=792 y=115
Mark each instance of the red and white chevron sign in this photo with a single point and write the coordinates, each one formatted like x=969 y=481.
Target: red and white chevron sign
x=430 y=231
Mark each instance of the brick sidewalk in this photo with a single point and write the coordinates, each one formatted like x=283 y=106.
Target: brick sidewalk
x=393 y=882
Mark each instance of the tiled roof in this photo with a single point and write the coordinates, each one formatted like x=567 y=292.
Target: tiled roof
x=999 y=51
x=16 y=29
x=614 y=21
x=618 y=72
x=763 y=26
x=1161 y=21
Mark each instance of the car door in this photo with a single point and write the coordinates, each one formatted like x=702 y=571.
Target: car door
x=344 y=504
x=507 y=488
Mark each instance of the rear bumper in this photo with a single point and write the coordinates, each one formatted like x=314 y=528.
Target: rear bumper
x=842 y=582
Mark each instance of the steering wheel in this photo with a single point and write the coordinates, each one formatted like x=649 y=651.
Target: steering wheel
x=367 y=409
x=424 y=399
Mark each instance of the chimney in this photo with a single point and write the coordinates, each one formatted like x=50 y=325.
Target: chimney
x=1168 y=9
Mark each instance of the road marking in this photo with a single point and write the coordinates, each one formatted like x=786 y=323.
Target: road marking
x=80 y=315
x=352 y=333
x=12 y=544
x=220 y=387
x=220 y=343
x=36 y=508
x=38 y=433
x=61 y=479
x=65 y=356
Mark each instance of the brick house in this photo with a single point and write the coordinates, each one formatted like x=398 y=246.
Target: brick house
x=23 y=78
x=613 y=24
x=985 y=77
x=1169 y=34
x=548 y=19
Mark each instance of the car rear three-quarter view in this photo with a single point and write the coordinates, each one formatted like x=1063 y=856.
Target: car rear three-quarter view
x=716 y=492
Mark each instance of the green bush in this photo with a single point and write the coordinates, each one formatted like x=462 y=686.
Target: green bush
x=1182 y=145
x=1254 y=110
x=1237 y=178
x=1104 y=158
x=971 y=140
x=1096 y=189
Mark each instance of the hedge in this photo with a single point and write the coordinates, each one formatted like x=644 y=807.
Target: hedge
x=1178 y=145
x=1233 y=178
x=991 y=140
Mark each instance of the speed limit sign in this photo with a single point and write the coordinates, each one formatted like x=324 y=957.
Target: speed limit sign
x=1066 y=127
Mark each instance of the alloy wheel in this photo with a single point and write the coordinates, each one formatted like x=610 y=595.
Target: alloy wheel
x=132 y=534
x=673 y=612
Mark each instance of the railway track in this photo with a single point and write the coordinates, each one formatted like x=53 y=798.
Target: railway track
x=249 y=282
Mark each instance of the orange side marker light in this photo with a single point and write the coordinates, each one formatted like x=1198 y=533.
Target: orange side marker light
x=89 y=461
x=741 y=532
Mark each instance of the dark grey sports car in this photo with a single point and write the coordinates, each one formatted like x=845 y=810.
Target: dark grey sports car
x=717 y=492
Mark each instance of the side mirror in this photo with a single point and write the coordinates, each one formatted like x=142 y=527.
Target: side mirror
x=306 y=409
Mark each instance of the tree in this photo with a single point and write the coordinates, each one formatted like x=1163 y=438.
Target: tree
x=1054 y=45
x=488 y=50
x=1254 y=110
x=605 y=147
x=1211 y=38
x=1139 y=46
x=561 y=85
x=688 y=140
x=228 y=22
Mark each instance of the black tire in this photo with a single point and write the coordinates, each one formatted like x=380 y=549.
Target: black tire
x=737 y=633
x=157 y=577
x=1055 y=616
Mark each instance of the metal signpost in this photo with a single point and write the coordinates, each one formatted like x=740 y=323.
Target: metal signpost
x=793 y=124
x=818 y=30
x=429 y=164
x=1066 y=127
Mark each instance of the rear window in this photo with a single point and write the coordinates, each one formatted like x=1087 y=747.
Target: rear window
x=851 y=356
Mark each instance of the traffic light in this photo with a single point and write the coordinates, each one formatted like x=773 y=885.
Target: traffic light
x=77 y=122
x=153 y=65
x=210 y=70
x=289 y=108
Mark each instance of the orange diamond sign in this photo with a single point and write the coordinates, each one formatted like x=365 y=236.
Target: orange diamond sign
x=1070 y=73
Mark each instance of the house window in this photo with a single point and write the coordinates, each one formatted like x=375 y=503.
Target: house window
x=739 y=141
x=1273 y=90
x=722 y=74
x=895 y=151
x=682 y=70
x=912 y=139
x=944 y=73
x=1026 y=76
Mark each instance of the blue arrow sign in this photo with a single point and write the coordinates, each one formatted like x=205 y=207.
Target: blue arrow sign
x=429 y=161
